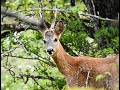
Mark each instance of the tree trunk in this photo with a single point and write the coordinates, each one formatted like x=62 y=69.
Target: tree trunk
x=103 y=8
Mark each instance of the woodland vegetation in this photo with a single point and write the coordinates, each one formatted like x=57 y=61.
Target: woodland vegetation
x=91 y=29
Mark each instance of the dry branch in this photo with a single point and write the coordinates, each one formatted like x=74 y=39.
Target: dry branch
x=38 y=77
x=21 y=17
x=17 y=28
x=47 y=9
x=42 y=9
x=44 y=60
x=98 y=17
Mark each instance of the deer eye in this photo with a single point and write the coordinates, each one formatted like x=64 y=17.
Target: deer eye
x=55 y=40
x=44 y=41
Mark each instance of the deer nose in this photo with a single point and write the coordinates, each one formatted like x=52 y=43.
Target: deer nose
x=49 y=51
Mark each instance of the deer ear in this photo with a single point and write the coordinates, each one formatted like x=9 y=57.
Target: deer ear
x=42 y=26
x=59 y=28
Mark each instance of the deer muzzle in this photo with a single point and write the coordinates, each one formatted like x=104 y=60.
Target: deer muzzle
x=50 y=51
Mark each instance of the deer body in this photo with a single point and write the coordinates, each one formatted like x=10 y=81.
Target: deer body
x=79 y=71
x=76 y=69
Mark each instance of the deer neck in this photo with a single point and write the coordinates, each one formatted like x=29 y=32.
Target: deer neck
x=61 y=59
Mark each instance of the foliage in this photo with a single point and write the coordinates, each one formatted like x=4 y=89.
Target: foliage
x=75 y=32
x=32 y=49
x=102 y=76
x=85 y=45
x=23 y=53
x=108 y=36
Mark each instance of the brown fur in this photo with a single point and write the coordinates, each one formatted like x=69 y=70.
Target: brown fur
x=75 y=69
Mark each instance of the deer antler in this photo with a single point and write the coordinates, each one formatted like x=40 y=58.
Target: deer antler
x=54 y=19
x=42 y=26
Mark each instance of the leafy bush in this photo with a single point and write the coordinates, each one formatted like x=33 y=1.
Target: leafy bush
x=23 y=53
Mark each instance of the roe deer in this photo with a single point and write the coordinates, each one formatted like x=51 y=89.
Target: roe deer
x=79 y=71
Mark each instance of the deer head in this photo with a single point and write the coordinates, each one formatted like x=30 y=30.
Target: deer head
x=51 y=36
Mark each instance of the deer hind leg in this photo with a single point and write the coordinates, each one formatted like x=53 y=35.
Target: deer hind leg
x=112 y=85
x=115 y=86
x=73 y=83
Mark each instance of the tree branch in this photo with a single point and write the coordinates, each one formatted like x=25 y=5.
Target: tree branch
x=21 y=17
x=42 y=9
x=9 y=51
x=98 y=17
x=17 y=28
x=34 y=58
x=60 y=10
x=34 y=78
x=38 y=77
x=35 y=21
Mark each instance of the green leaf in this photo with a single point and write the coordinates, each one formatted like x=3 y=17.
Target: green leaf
x=100 y=77
x=108 y=73
x=73 y=9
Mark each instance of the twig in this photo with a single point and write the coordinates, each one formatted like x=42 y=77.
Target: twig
x=60 y=10
x=88 y=75
x=34 y=58
x=34 y=78
x=38 y=77
x=98 y=17
x=11 y=72
x=93 y=7
x=18 y=28
x=36 y=21
x=11 y=50
x=42 y=9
